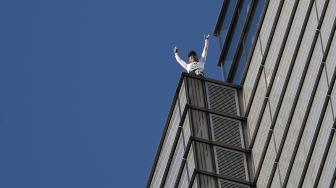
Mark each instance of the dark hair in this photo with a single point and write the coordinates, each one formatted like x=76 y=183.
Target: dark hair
x=194 y=54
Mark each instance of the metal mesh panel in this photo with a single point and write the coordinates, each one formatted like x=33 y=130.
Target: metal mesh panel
x=231 y=163
x=207 y=181
x=226 y=131
x=222 y=99
x=226 y=184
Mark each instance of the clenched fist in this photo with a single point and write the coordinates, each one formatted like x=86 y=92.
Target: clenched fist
x=175 y=49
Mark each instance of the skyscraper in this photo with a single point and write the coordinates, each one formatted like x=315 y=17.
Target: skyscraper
x=271 y=121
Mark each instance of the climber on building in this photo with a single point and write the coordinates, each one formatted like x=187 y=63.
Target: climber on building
x=195 y=66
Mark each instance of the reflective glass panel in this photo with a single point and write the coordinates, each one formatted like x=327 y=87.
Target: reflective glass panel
x=227 y=20
x=236 y=34
x=248 y=41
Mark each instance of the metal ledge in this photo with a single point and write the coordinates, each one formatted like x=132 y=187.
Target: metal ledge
x=223 y=83
x=224 y=177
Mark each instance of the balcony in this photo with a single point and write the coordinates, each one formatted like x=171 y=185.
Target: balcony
x=203 y=141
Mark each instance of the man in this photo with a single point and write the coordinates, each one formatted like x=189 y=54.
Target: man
x=195 y=66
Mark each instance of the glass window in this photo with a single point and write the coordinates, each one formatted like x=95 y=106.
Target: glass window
x=248 y=40
x=227 y=20
x=236 y=34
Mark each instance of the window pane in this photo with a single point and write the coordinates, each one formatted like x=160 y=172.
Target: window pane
x=237 y=32
x=227 y=20
x=248 y=40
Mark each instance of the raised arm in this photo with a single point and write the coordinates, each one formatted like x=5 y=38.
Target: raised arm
x=179 y=60
x=205 y=49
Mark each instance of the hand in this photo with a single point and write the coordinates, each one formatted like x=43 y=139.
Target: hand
x=206 y=37
x=175 y=49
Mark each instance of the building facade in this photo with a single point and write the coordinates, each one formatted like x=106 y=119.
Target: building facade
x=196 y=149
x=271 y=121
x=289 y=95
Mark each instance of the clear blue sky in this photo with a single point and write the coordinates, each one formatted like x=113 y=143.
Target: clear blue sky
x=86 y=86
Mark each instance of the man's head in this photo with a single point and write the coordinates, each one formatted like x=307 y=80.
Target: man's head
x=192 y=55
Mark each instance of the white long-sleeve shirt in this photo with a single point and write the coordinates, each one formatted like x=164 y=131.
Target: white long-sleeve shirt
x=195 y=65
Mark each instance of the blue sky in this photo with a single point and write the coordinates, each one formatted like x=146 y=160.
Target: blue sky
x=86 y=86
